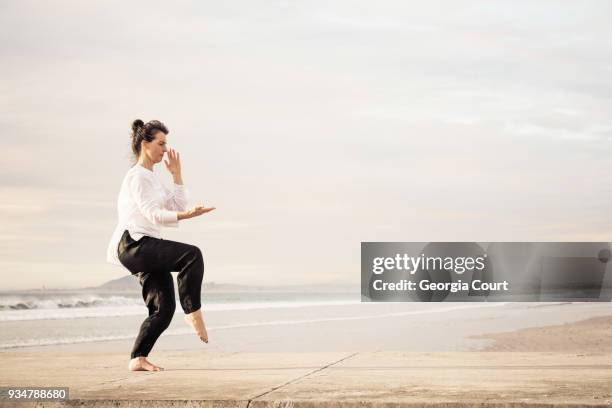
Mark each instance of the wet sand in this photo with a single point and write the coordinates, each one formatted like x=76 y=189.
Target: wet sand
x=592 y=335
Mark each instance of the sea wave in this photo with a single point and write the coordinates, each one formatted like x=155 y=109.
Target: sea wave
x=48 y=310
x=64 y=302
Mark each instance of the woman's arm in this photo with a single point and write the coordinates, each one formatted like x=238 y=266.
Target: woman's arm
x=178 y=199
x=146 y=198
x=175 y=200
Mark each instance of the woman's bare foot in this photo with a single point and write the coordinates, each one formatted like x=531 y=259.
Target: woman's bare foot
x=142 y=364
x=196 y=321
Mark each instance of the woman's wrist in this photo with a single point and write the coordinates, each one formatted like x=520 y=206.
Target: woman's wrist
x=178 y=178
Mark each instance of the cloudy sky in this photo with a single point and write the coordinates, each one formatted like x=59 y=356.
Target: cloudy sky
x=310 y=125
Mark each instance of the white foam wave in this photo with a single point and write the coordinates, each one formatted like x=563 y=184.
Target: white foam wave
x=135 y=307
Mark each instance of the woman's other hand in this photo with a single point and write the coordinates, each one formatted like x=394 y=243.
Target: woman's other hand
x=194 y=212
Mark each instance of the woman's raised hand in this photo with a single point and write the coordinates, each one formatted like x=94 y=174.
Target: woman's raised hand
x=173 y=164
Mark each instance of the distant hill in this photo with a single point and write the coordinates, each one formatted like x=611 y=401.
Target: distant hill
x=127 y=282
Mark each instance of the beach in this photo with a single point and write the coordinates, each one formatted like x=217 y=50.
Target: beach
x=368 y=379
x=342 y=353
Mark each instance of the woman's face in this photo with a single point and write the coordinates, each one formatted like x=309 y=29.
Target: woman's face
x=155 y=149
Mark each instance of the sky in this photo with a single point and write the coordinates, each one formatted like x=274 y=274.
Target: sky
x=310 y=125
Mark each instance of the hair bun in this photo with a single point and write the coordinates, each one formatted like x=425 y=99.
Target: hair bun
x=137 y=124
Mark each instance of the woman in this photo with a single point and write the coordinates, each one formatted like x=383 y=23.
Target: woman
x=144 y=206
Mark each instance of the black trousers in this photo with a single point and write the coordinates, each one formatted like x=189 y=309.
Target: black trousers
x=151 y=260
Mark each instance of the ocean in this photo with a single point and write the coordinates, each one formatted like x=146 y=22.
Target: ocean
x=85 y=304
x=262 y=321
x=62 y=317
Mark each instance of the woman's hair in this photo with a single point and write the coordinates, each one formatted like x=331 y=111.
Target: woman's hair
x=145 y=131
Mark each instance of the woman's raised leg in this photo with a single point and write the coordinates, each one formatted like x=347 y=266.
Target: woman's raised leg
x=188 y=261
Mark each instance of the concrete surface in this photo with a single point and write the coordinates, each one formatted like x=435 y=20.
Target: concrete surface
x=389 y=379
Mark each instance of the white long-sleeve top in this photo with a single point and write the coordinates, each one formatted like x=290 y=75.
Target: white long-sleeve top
x=144 y=206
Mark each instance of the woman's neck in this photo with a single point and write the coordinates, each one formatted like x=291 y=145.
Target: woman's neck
x=145 y=163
